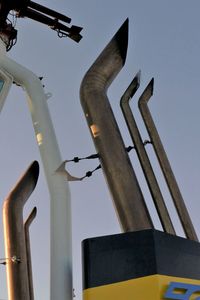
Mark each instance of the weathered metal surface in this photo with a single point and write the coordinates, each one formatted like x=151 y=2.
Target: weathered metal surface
x=15 y=246
x=27 y=224
x=121 y=179
x=165 y=165
x=143 y=157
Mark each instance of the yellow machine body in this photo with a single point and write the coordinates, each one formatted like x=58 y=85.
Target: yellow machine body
x=146 y=288
x=142 y=265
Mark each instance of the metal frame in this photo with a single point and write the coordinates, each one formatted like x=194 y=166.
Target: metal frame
x=60 y=207
x=8 y=80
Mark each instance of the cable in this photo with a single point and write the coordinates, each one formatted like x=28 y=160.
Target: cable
x=77 y=159
x=90 y=173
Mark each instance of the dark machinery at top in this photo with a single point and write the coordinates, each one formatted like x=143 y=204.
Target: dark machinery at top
x=37 y=12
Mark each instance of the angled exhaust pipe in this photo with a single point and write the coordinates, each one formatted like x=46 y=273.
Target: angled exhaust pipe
x=15 y=245
x=143 y=157
x=27 y=225
x=124 y=187
x=164 y=164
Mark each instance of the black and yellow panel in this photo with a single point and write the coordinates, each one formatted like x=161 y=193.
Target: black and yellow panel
x=143 y=265
x=155 y=287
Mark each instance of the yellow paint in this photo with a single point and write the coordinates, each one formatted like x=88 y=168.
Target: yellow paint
x=145 y=288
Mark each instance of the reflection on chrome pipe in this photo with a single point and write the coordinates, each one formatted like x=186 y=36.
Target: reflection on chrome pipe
x=121 y=179
x=165 y=165
x=15 y=247
x=27 y=224
x=143 y=157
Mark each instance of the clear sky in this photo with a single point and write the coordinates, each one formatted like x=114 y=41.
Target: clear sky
x=164 y=43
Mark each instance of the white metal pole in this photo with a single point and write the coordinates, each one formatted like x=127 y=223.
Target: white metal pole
x=60 y=228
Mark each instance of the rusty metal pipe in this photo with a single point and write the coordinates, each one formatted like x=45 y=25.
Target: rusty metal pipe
x=165 y=165
x=143 y=157
x=116 y=165
x=15 y=247
x=27 y=225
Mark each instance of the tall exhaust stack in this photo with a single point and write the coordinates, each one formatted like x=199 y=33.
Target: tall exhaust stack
x=142 y=263
x=120 y=176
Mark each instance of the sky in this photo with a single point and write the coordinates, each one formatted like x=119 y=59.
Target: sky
x=164 y=43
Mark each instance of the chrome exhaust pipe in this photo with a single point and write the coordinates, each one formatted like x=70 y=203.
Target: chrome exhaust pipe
x=143 y=156
x=14 y=236
x=165 y=165
x=124 y=187
x=27 y=224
